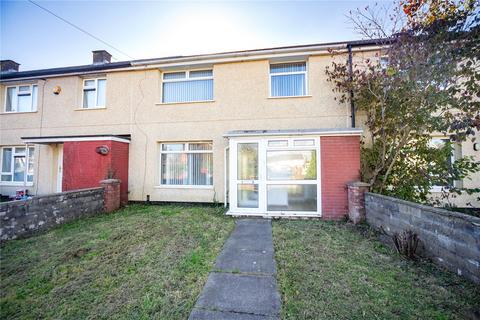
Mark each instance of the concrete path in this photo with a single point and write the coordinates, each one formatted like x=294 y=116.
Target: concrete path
x=242 y=285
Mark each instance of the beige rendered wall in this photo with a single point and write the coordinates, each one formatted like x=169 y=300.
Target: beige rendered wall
x=133 y=107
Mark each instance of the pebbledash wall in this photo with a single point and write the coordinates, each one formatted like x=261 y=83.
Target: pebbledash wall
x=450 y=239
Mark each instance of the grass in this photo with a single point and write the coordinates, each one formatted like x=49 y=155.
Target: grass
x=141 y=262
x=330 y=270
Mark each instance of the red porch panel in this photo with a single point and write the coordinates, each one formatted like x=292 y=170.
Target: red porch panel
x=340 y=164
x=84 y=167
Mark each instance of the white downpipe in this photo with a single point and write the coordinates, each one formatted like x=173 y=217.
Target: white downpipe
x=225 y=175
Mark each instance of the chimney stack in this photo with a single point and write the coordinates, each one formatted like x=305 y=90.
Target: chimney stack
x=8 y=66
x=101 y=57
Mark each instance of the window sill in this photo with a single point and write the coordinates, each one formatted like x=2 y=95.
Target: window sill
x=15 y=184
x=290 y=97
x=171 y=186
x=20 y=112
x=87 y=109
x=189 y=102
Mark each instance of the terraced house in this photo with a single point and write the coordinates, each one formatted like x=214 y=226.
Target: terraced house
x=259 y=129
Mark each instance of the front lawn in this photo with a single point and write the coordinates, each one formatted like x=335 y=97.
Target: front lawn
x=139 y=263
x=331 y=270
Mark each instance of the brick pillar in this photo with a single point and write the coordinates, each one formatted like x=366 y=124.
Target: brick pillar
x=111 y=195
x=356 y=201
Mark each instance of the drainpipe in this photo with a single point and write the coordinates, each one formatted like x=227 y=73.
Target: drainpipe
x=350 y=71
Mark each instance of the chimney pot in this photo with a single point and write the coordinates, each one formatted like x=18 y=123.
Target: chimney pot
x=8 y=66
x=101 y=57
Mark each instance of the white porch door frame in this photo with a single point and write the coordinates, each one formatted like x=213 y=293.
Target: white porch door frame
x=235 y=181
x=262 y=181
x=59 y=187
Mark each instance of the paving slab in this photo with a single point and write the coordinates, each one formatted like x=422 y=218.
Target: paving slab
x=246 y=262
x=240 y=293
x=243 y=285
x=253 y=242
x=200 y=314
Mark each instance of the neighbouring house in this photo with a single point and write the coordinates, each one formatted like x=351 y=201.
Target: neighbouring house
x=259 y=129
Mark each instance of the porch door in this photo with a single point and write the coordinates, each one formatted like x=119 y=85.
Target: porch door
x=246 y=172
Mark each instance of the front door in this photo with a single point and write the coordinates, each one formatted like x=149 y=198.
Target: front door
x=275 y=176
x=246 y=171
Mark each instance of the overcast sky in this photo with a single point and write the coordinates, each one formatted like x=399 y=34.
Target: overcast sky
x=36 y=39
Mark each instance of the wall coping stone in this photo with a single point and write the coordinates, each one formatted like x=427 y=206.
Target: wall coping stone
x=50 y=195
x=440 y=211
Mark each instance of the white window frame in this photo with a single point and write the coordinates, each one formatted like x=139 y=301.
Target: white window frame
x=33 y=104
x=452 y=160
x=25 y=154
x=184 y=151
x=270 y=75
x=187 y=78
x=262 y=180
x=384 y=62
x=95 y=87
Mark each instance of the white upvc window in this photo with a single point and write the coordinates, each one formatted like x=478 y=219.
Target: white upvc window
x=439 y=143
x=187 y=86
x=384 y=62
x=15 y=163
x=21 y=98
x=288 y=79
x=187 y=164
x=94 y=91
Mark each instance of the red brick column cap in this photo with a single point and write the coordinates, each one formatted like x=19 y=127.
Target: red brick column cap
x=358 y=184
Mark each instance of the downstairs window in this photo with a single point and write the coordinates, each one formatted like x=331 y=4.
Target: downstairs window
x=186 y=164
x=15 y=163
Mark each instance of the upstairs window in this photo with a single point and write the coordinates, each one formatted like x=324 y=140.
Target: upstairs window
x=288 y=79
x=187 y=86
x=94 y=93
x=186 y=164
x=15 y=163
x=22 y=98
x=384 y=62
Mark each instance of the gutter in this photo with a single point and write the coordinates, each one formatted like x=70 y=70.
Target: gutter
x=288 y=133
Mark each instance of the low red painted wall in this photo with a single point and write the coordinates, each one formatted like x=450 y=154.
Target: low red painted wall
x=83 y=167
x=340 y=164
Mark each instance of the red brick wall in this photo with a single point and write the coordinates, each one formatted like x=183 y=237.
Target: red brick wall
x=340 y=164
x=83 y=167
x=119 y=154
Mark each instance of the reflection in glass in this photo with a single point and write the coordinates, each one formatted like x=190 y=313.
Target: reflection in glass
x=101 y=92
x=18 y=168
x=24 y=103
x=292 y=165
x=7 y=160
x=247 y=161
x=88 y=98
x=298 y=197
x=247 y=196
